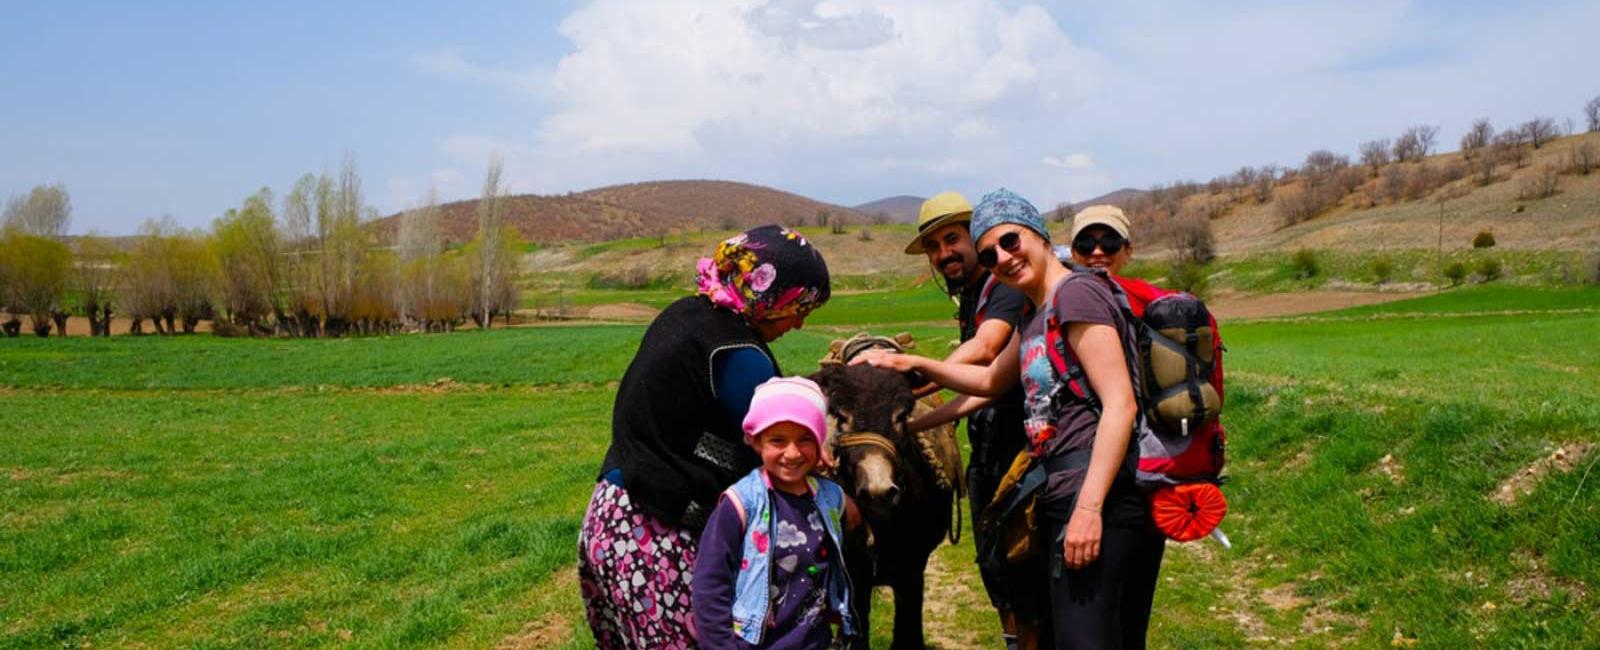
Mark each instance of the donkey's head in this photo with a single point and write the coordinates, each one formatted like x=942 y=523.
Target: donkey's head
x=869 y=407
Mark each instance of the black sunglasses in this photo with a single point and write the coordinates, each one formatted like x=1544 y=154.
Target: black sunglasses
x=1010 y=241
x=1110 y=242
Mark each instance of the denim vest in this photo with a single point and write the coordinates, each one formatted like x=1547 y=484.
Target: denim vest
x=752 y=600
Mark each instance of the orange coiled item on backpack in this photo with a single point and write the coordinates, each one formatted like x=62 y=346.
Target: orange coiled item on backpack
x=1188 y=511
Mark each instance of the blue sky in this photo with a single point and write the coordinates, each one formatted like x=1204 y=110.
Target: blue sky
x=183 y=109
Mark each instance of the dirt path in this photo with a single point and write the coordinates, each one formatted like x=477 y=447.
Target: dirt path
x=1236 y=306
x=944 y=590
x=621 y=311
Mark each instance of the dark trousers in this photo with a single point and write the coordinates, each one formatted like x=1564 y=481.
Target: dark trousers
x=996 y=437
x=1106 y=604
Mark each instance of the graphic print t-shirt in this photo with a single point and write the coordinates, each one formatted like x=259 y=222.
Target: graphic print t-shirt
x=1069 y=425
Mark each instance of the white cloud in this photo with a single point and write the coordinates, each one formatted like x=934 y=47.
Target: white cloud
x=682 y=76
x=1070 y=161
x=850 y=99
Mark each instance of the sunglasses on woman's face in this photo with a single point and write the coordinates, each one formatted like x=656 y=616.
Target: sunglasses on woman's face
x=1011 y=241
x=1111 y=243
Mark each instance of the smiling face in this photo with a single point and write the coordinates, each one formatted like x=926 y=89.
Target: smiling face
x=1023 y=268
x=1098 y=258
x=950 y=252
x=788 y=452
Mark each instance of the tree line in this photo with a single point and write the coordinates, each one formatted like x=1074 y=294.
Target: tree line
x=309 y=265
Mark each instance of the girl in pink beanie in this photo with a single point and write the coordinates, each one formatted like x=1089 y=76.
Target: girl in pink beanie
x=770 y=573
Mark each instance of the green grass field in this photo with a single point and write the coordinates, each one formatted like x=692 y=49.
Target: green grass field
x=204 y=492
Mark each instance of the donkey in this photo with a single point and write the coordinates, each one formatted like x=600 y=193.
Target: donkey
x=904 y=484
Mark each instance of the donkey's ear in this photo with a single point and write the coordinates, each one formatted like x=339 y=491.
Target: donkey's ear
x=902 y=414
x=905 y=340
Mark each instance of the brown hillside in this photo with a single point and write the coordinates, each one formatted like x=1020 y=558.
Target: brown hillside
x=542 y=219
x=726 y=205
x=636 y=210
x=1365 y=221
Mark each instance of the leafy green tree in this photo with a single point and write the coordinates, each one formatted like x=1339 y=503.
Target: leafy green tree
x=36 y=272
x=248 y=252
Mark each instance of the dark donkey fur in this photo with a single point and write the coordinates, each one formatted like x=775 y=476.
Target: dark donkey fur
x=905 y=527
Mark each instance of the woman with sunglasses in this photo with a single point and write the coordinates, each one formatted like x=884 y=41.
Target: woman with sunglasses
x=1101 y=573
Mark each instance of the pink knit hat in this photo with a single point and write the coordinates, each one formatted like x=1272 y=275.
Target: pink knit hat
x=788 y=399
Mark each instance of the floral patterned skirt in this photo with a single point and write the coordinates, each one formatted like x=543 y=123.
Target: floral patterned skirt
x=634 y=571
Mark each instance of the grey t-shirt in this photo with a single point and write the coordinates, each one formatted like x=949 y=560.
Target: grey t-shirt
x=1057 y=427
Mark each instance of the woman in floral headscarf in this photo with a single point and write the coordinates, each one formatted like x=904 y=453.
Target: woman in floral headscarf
x=676 y=440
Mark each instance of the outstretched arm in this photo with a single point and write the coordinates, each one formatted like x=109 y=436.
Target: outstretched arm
x=960 y=407
x=986 y=381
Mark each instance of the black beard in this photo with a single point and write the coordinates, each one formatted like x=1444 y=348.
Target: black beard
x=953 y=287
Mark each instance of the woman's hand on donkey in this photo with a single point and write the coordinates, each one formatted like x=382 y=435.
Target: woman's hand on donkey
x=895 y=361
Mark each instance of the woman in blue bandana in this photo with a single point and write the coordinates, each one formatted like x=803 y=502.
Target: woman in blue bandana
x=1104 y=553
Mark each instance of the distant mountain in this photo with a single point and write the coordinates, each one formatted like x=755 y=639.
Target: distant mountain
x=637 y=210
x=900 y=209
x=1119 y=198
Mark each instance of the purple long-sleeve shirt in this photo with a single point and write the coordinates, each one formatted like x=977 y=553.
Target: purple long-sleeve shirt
x=801 y=560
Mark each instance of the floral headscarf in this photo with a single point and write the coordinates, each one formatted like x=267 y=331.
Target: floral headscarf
x=765 y=273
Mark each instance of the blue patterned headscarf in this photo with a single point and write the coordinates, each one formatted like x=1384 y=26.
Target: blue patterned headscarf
x=1004 y=206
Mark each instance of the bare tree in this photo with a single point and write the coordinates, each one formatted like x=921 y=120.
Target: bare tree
x=1582 y=158
x=301 y=267
x=1190 y=237
x=1591 y=112
x=334 y=248
x=1063 y=212
x=489 y=266
x=44 y=212
x=1509 y=148
x=1427 y=136
x=147 y=280
x=421 y=283
x=1375 y=154
x=1408 y=147
x=1477 y=137
x=1240 y=182
x=94 y=280
x=1266 y=181
x=1538 y=131
x=1323 y=163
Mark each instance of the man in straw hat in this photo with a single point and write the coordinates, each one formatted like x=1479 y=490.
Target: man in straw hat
x=987 y=313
